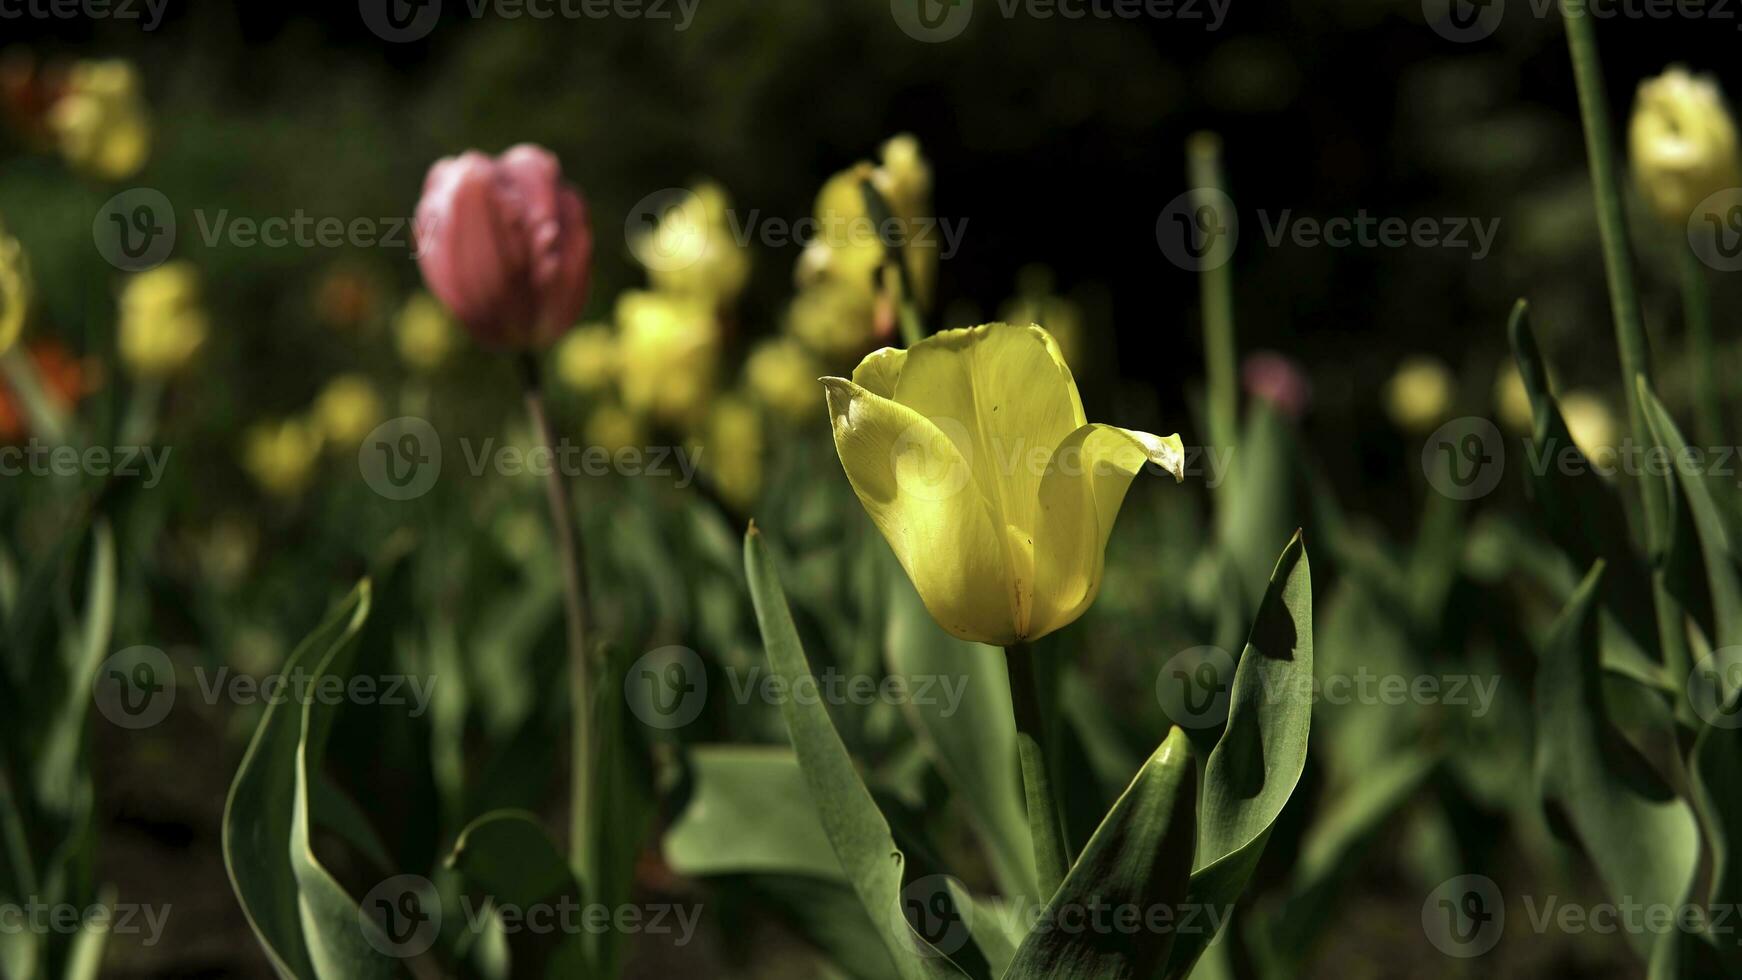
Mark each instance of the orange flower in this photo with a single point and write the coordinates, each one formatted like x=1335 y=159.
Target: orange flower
x=65 y=380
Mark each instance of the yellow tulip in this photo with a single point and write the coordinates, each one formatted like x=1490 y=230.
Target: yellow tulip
x=346 y=410
x=732 y=447
x=280 y=456
x=101 y=120
x=1511 y=398
x=782 y=375
x=586 y=359
x=163 y=324
x=1683 y=143
x=849 y=248
x=669 y=347
x=611 y=428
x=423 y=332
x=835 y=321
x=1419 y=395
x=1035 y=302
x=15 y=290
x=693 y=250
x=1590 y=423
x=971 y=453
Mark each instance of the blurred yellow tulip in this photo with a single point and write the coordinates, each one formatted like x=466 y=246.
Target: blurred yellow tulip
x=1590 y=423
x=732 y=448
x=15 y=290
x=611 y=428
x=971 y=453
x=783 y=376
x=1419 y=396
x=163 y=323
x=669 y=348
x=1683 y=143
x=1512 y=400
x=693 y=251
x=346 y=410
x=586 y=359
x=833 y=320
x=423 y=332
x=281 y=456
x=101 y=121
x=1035 y=302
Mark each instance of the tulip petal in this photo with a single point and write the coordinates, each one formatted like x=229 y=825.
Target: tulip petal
x=918 y=488
x=1009 y=390
x=1079 y=500
x=879 y=371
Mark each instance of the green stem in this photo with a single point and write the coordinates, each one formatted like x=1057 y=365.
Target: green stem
x=1697 y=313
x=1045 y=823
x=575 y=608
x=47 y=422
x=1204 y=166
x=1617 y=264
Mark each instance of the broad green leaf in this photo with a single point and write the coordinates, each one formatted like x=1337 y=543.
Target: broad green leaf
x=1254 y=768
x=850 y=817
x=261 y=809
x=966 y=740
x=508 y=857
x=749 y=812
x=1642 y=838
x=620 y=804
x=1139 y=859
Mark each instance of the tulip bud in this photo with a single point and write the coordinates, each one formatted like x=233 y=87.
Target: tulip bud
x=732 y=447
x=423 y=333
x=100 y=120
x=1274 y=378
x=162 y=322
x=346 y=410
x=783 y=376
x=281 y=456
x=668 y=353
x=14 y=290
x=1683 y=143
x=586 y=360
x=505 y=243
x=1420 y=394
x=1590 y=423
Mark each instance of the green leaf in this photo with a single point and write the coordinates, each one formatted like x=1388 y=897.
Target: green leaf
x=1139 y=858
x=850 y=817
x=749 y=812
x=266 y=822
x=621 y=804
x=1641 y=837
x=966 y=740
x=508 y=856
x=1254 y=768
x=61 y=779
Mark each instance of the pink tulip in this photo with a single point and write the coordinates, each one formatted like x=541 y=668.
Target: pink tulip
x=505 y=243
x=1279 y=381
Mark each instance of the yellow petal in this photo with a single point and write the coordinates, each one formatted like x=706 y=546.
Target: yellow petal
x=880 y=369
x=915 y=483
x=1080 y=496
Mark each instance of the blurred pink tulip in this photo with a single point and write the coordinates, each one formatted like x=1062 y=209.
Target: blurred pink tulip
x=505 y=243
x=1279 y=381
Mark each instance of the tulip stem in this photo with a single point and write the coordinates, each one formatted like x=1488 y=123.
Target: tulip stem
x=1045 y=822
x=575 y=607
x=1697 y=314
x=1204 y=169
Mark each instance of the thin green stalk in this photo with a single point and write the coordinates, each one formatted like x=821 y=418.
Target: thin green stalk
x=47 y=422
x=1045 y=822
x=1204 y=166
x=1629 y=326
x=575 y=609
x=1697 y=313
